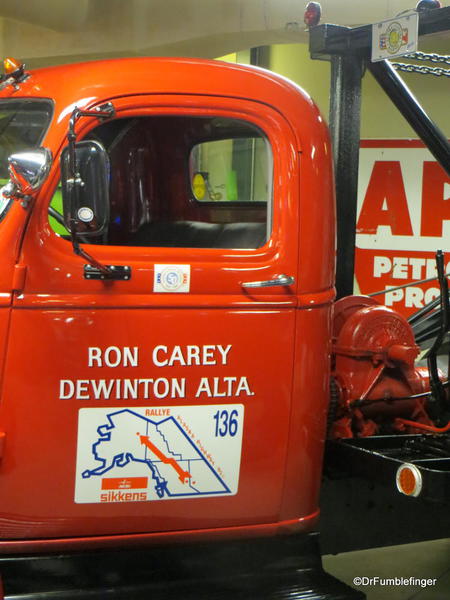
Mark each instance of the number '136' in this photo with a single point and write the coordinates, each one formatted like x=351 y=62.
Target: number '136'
x=226 y=423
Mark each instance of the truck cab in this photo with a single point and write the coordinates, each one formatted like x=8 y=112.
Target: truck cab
x=170 y=380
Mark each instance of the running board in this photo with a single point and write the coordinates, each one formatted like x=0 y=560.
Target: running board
x=264 y=569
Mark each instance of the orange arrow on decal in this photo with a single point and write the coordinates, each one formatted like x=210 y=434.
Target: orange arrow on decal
x=183 y=476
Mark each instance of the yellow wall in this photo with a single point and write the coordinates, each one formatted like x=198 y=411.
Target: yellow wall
x=228 y=57
x=380 y=119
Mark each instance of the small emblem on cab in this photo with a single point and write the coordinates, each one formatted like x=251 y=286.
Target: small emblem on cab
x=172 y=278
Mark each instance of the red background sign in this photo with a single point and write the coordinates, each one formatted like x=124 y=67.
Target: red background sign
x=403 y=218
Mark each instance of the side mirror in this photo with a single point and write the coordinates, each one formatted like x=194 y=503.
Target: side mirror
x=85 y=188
x=28 y=171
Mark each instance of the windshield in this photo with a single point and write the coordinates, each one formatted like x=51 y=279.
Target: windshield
x=23 y=124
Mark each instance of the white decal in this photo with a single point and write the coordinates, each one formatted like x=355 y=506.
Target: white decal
x=395 y=37
x=190 y=355
x=172 y=278
x=158 y=453
x=113 y=356
x=157 y=360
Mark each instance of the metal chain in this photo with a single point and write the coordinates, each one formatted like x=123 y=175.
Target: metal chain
x=434 y=58
x=421 y=69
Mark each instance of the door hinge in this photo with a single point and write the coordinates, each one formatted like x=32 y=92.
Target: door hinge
x=20 y=272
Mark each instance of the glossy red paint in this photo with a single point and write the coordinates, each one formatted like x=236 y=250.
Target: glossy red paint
x=278 y=338
x=148 y=539
x=12 y=228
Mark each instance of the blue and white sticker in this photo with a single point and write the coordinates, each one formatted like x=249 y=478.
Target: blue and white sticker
x=172 y=278
x=158 y=453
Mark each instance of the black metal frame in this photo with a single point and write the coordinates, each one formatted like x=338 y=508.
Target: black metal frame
x=360 y=486
x=349 y=50
x=360 y=481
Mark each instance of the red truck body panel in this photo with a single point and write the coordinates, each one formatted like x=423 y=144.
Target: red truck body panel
x=230 y=384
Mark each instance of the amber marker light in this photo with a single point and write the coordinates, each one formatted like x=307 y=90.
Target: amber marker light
x=409 y=480
x=313 y=12
x=11 y=65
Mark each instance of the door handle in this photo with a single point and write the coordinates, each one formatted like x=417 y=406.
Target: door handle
x=282 y=280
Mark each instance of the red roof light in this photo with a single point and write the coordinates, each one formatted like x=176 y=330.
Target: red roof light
x=313 y=12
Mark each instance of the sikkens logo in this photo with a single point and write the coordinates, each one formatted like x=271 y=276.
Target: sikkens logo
x=172 y=278
x=117 y=489
x=123 y=497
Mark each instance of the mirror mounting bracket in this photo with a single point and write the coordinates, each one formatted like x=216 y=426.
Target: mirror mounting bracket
x=104 y=111
x=11 y=190
x=116 y=272
x=106 y=271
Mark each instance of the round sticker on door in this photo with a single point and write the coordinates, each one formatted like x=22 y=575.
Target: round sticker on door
x=172 y=278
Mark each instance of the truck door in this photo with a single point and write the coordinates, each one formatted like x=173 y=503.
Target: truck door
x=161 y=401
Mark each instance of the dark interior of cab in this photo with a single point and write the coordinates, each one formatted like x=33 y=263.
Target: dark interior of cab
x=153 y=163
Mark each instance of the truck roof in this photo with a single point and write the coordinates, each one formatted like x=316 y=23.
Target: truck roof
x=86 y=84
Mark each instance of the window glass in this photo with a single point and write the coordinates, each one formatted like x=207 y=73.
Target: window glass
x=231 y=170
x=192 y=182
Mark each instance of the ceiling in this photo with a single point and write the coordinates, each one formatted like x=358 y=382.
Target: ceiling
x=53 y=31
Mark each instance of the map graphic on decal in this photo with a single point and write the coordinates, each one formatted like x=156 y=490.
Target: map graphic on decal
x=125 y=455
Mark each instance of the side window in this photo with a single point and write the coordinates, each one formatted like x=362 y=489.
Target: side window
x=185 y=182
x=231 y=170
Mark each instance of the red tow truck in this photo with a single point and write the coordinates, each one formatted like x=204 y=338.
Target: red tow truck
x=170 y=331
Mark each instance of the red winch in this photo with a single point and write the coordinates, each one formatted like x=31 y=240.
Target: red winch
x=375 y=377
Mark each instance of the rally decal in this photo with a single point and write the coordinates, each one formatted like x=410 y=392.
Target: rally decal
x=158 y=453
